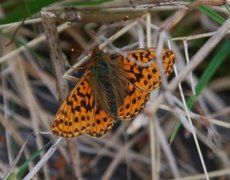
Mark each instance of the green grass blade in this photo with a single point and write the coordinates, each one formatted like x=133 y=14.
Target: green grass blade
x=24 y=9
x=210 y=13
x=20 y=171
x=227 y=8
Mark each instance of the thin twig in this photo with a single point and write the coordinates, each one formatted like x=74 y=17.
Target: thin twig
x=43 y=160
x=195 y=61
x=57 y=58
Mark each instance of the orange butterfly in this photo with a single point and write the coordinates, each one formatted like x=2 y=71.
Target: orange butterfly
x=113 y=87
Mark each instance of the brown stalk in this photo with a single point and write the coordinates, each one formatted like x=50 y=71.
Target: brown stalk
x=49 y=25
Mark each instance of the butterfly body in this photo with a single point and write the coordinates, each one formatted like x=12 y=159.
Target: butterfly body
x=112 y=88
x=108 y=82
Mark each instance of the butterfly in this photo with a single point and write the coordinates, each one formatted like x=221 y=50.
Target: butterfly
x=113 y=87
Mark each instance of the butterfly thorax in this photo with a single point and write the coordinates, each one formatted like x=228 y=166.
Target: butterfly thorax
x=108 y=82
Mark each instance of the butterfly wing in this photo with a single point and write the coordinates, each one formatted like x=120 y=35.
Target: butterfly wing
x=74 y=115
x=141 y=69
x=143 y=75
x=133 y=103
x=79 y=113
x=101 y=123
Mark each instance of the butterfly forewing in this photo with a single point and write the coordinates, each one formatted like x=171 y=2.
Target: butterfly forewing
x=72 y=118
x=142 y=69
x=80 y=114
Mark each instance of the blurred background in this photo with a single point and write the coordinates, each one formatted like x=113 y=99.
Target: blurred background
x=183 y=132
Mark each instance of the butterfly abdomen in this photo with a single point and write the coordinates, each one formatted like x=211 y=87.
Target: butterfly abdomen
x=109 y=84
x=104 y=89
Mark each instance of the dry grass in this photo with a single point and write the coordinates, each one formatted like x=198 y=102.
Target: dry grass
x=33 y=84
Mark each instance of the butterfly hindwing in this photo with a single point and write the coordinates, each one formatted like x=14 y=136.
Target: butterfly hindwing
x=133 y=103
x=100 y=123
